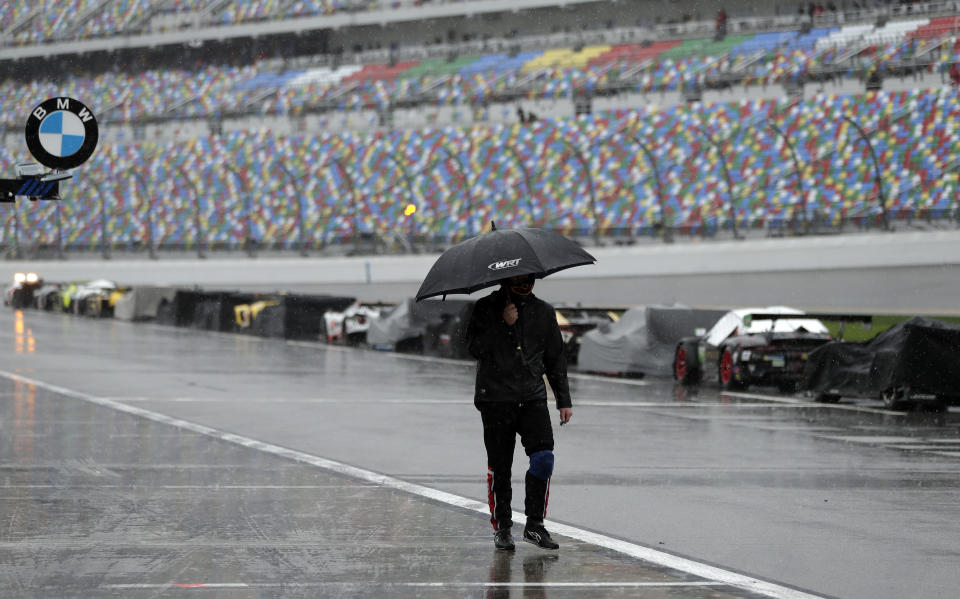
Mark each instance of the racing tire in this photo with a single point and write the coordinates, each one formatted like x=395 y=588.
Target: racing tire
x=685 y=371
x=726 y=367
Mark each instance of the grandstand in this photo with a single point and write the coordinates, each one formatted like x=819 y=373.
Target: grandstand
x=664 y=129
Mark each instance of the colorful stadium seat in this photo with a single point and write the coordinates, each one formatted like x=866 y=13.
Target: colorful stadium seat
x=584 y=175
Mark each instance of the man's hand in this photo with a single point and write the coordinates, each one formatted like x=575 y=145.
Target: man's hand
x=510 y=314
x=565 y=415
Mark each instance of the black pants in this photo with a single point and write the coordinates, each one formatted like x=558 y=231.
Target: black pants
x=502 y=422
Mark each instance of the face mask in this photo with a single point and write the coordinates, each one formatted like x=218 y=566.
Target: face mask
x=522 y=289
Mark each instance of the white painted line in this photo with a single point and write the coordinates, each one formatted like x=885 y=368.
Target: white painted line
x=917 y=447
x=685 y=404
x=812 y=404
x=607 y=379
x=319 y=400
x=354 y=400
x=452 y=584
x=183 y=585
x=561 y=584
x=774 y=398
x=653 y=556
x=869 y=439
x=193 y=487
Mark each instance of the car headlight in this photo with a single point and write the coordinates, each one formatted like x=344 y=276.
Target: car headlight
x=32 y=277
x=19 y=277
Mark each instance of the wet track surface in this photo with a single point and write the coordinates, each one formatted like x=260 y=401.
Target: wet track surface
x=137 y=460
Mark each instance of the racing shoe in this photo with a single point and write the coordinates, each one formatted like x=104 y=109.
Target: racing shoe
x=538 y=535
x=502 y=539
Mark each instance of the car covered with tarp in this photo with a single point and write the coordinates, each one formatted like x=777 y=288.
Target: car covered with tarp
x=917 y=360
x=142 y=302
x=575 y=321
x=435 y=327
x=642 y=340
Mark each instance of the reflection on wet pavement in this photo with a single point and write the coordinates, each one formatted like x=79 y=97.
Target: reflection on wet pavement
x=98 y=501
x=102 y=503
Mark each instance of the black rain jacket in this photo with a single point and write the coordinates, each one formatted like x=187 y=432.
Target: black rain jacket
x=508 y=371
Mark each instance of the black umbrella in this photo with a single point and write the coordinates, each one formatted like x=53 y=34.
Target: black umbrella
x=484 y=260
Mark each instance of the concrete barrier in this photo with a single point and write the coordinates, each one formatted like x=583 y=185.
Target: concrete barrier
x=867 y=250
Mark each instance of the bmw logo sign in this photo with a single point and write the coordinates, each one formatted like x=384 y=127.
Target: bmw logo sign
x=61 y=133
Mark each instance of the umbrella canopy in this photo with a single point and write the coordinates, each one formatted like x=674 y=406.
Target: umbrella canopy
x=484 y=260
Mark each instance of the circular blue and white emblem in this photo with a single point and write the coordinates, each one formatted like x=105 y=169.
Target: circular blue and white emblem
x=61 y=133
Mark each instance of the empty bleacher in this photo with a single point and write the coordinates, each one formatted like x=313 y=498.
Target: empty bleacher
x=583 y=176
x=314 y=155
x=260 y=88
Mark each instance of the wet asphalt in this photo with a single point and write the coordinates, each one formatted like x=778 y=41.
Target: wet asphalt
x=138 y=460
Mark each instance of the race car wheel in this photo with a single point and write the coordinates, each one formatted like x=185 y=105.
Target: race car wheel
x=684 y=370
x=727 y=371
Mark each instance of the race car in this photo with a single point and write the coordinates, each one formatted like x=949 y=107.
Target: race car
x=20 y=293
x=92 y=298
x=755 y=346
x=47 y=297
x=351 y=325
x=245 y=314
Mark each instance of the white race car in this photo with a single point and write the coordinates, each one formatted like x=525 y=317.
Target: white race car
x=755 y=346
x=350 y=326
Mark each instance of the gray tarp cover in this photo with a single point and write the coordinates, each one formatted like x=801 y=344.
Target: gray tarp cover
x=409 y=319
x=921 y=353
x=141 y=303
x=643 y=340
x=618 y=346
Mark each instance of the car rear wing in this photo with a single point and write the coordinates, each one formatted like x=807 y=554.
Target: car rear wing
x=865 y=320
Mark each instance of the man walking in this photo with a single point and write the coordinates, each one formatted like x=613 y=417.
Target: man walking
x=516 y=340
